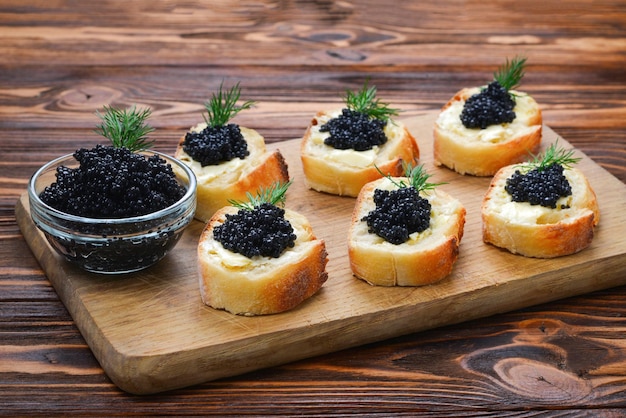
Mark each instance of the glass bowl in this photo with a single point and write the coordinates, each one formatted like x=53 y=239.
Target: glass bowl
x=112 y=246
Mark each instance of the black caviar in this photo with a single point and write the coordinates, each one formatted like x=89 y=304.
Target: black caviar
x=398 y=214
x=492 y=106
x=539 y=187
x=216 y=144
x=113 y=183
x=354 y=130
x=119 y=254
x=262 y=231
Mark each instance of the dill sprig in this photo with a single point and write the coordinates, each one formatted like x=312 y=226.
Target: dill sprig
x=510 y=74
x=417 y=177
x=553 y=155
x=126 y=127
x=222 y=106
x=275 y=195
x=365 y=101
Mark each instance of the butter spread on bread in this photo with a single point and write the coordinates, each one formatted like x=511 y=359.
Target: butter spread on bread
x=244 y=281
x=563 y=226
x=343 y=170
x=425 y=257
x=481 y=151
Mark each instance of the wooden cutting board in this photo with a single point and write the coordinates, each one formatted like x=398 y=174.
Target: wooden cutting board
x=151 y=332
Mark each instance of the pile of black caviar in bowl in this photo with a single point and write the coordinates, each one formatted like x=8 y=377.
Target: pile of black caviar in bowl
x=110 y=210
x=113 y=183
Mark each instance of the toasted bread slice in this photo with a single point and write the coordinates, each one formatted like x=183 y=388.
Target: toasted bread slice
x=344 y=172
x=231 y=180
x=482 y=152
x=261 y=285
x=426 y=258
x=537 y=231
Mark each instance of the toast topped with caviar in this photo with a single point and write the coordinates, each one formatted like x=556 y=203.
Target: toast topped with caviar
x=228 y=160
x=257 y=258
x=544 y=208
x=404 y=231
x=483 y=129
x=341 y=149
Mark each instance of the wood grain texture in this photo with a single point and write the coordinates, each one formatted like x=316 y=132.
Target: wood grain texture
x=63 y=60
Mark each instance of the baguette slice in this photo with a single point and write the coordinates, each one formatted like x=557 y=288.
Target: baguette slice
x=426 y=258
x=231 y=180
x=482 y=152
x=260 y=285
x=537 y=231
x=344 y=172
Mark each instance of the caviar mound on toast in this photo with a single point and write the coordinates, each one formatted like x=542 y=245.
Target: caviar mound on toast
x=228 y=160
x=545 y=208
x=257 y=258
x=482 y=129
x=404 y=231
x=341 y=149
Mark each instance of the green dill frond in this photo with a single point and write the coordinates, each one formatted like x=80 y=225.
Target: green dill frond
x=275 y=195
x=222 y=106
x=553 y=155
x=510 y=74
x=126 y=127
x=417 y=177
x=365 y=101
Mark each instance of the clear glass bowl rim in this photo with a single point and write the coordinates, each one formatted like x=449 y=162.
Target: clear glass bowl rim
x=190 y=192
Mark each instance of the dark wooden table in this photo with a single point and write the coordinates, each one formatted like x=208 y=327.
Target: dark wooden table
x=62 y=61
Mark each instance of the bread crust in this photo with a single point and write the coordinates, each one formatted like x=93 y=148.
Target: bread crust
x=482 y=152
x=261 y=285
x=337 y=176
x=425 y=259
x=534 y=231
x=233 y=179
